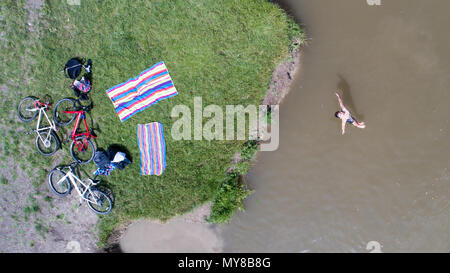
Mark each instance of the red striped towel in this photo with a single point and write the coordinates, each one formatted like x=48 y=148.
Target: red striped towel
x=139 y=93
x=152 y=146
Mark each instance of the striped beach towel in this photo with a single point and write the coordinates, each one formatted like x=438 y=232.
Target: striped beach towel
x=152 y=147
x=136 y=94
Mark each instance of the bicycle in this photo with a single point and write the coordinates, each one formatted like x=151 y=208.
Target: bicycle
x=47 y=142
x=81 y=149
x=61 y=184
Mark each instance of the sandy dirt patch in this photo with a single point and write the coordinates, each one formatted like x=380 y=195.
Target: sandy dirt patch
x=188 y=233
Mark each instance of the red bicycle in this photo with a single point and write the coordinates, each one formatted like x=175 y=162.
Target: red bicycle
x=81 y=149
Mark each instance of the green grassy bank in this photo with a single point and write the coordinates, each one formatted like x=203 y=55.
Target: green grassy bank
x=222 y=51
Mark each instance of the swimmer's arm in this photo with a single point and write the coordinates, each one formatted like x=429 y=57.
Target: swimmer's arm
x=341 y=103
x=343 y=126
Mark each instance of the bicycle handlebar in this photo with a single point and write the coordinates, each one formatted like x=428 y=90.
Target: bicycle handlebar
x=40 y=104
x=70 y=166
x=85 y=108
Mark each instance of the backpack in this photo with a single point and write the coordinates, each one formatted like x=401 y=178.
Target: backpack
x=101 y=159
x=73 y=67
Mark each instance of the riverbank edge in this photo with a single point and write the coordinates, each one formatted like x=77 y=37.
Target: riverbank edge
x=280 y=85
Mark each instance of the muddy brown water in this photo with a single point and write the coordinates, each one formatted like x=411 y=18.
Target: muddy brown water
x=322 y=192
x=389 y=183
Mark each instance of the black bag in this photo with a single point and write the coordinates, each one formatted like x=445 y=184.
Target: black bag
x=101 y=159
x=73 y=67
x=112 y=151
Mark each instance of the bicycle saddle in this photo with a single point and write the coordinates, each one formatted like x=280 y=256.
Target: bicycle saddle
x=74 y=164
x=95 y=181
x=93 y=134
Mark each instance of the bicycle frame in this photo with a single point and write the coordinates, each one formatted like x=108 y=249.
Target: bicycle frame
x=73 y=180
x=83 y=144
x=41 y=107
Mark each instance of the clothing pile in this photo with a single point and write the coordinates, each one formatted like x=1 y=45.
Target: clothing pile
x=81 y=88
x=110 y=160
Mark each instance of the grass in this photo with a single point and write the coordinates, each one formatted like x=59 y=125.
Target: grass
x=49 y=200
x=41 y=228
x=229 y=197
x=233 y=191
x=4 y=181
x=222 y=51
x=32 y=208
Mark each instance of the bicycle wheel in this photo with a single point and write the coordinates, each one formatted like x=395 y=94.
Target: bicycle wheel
x=63 y=119
x=58 y=184
x=87 y=150
x=98 y=201
x=26 y=109
x=47 y=143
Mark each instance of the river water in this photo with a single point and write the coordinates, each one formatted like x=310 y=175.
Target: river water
x=388 y=183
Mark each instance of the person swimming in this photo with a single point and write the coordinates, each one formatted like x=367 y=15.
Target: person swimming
x=347 y=117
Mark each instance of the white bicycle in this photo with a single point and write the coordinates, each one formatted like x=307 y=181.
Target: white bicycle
x=61 y=184
x=47 y=142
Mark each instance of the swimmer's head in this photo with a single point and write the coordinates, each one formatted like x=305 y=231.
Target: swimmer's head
x=338 y=114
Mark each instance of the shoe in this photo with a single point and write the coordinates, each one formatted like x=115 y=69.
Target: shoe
x=88 y=66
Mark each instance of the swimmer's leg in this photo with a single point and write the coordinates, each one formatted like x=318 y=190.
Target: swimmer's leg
x=361 y=125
